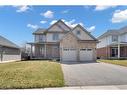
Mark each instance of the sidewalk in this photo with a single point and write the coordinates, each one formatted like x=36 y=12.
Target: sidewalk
x=109 y=87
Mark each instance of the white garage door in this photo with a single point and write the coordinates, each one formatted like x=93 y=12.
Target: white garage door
x=86 y=54
x=69 y=54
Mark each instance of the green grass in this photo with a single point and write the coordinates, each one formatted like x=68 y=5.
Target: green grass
x=117 y=62
x=30 y=74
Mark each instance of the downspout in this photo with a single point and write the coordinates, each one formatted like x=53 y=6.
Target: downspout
x=107 y=47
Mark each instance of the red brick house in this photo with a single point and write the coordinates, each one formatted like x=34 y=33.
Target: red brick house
x=113 y=44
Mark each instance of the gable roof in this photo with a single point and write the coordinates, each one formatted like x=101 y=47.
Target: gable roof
x=84 y=31
x=7 y=43
x=57 y=23
x=42 y=31
x=109 y=32
x=69 y=33
x=114 y=32
x=123 y=30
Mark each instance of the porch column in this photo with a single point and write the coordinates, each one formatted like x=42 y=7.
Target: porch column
x=31 y=50
x=118 y=51
x=45 y=51
x=60 y=50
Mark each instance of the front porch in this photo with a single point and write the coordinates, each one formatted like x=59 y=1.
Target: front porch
x=118 y=51
x=44 y=51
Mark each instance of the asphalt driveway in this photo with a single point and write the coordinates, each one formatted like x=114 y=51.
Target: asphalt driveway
x=94 y=74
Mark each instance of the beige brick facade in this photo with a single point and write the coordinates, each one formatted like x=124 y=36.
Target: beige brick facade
x=70 y=41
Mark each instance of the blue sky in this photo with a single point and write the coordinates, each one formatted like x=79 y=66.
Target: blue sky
x=18 y=22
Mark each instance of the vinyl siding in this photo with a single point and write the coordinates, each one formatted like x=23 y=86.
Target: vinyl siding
x=50 y=37
x=104 y=42
x=108 y=40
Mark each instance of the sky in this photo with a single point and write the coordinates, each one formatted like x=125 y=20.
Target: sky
x=17 y=23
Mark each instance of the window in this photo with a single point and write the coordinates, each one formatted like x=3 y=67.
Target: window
x=114 y=38
x=83 y=49
x=39 y=38
x=66 y=49
x=89 y=49
x=55 y=36
x=78 y=32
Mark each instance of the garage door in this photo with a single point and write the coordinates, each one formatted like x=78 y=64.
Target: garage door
x=69 y=54
x=86 y=54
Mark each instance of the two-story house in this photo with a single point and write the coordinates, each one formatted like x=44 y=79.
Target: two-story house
x=113 y=44
x=63 y=42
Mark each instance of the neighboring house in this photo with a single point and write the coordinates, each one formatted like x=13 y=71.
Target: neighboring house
x=113 y=44
x=62 y=42
x=8 y=50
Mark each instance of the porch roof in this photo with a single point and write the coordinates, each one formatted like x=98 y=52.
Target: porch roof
x=42 y=43
x=119 y=43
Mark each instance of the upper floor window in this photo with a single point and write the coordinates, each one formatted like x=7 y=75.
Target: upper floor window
x=78 y=32
x=114 y=38
x=55 y=36
x=40 y=38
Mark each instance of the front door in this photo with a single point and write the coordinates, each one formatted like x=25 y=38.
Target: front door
x=55 y=51
x=114 y=52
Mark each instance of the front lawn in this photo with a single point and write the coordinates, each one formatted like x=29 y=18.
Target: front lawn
x=117 y=62
x=31 y=74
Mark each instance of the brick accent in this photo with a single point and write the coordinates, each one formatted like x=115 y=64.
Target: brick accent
x=103 y=53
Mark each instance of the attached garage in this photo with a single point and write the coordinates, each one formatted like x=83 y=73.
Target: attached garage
x=86 y=54
x=69 y=54
x=78 y=45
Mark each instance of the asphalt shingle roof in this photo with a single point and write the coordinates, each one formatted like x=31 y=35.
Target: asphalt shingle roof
x=114 y=32
x=7 y=43
x=39 y=31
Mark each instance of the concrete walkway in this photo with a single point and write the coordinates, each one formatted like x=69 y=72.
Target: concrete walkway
x=94 y=74
x=110 y=87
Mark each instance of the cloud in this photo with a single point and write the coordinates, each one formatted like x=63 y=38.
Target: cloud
x=102 y=7
x=91 y=29
x=48 y=14
x=119 y=16
x=22 y=8
x=43 y=22
x=65 y=11
x=32 y=26
x=70 y=23
x=53 y=21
